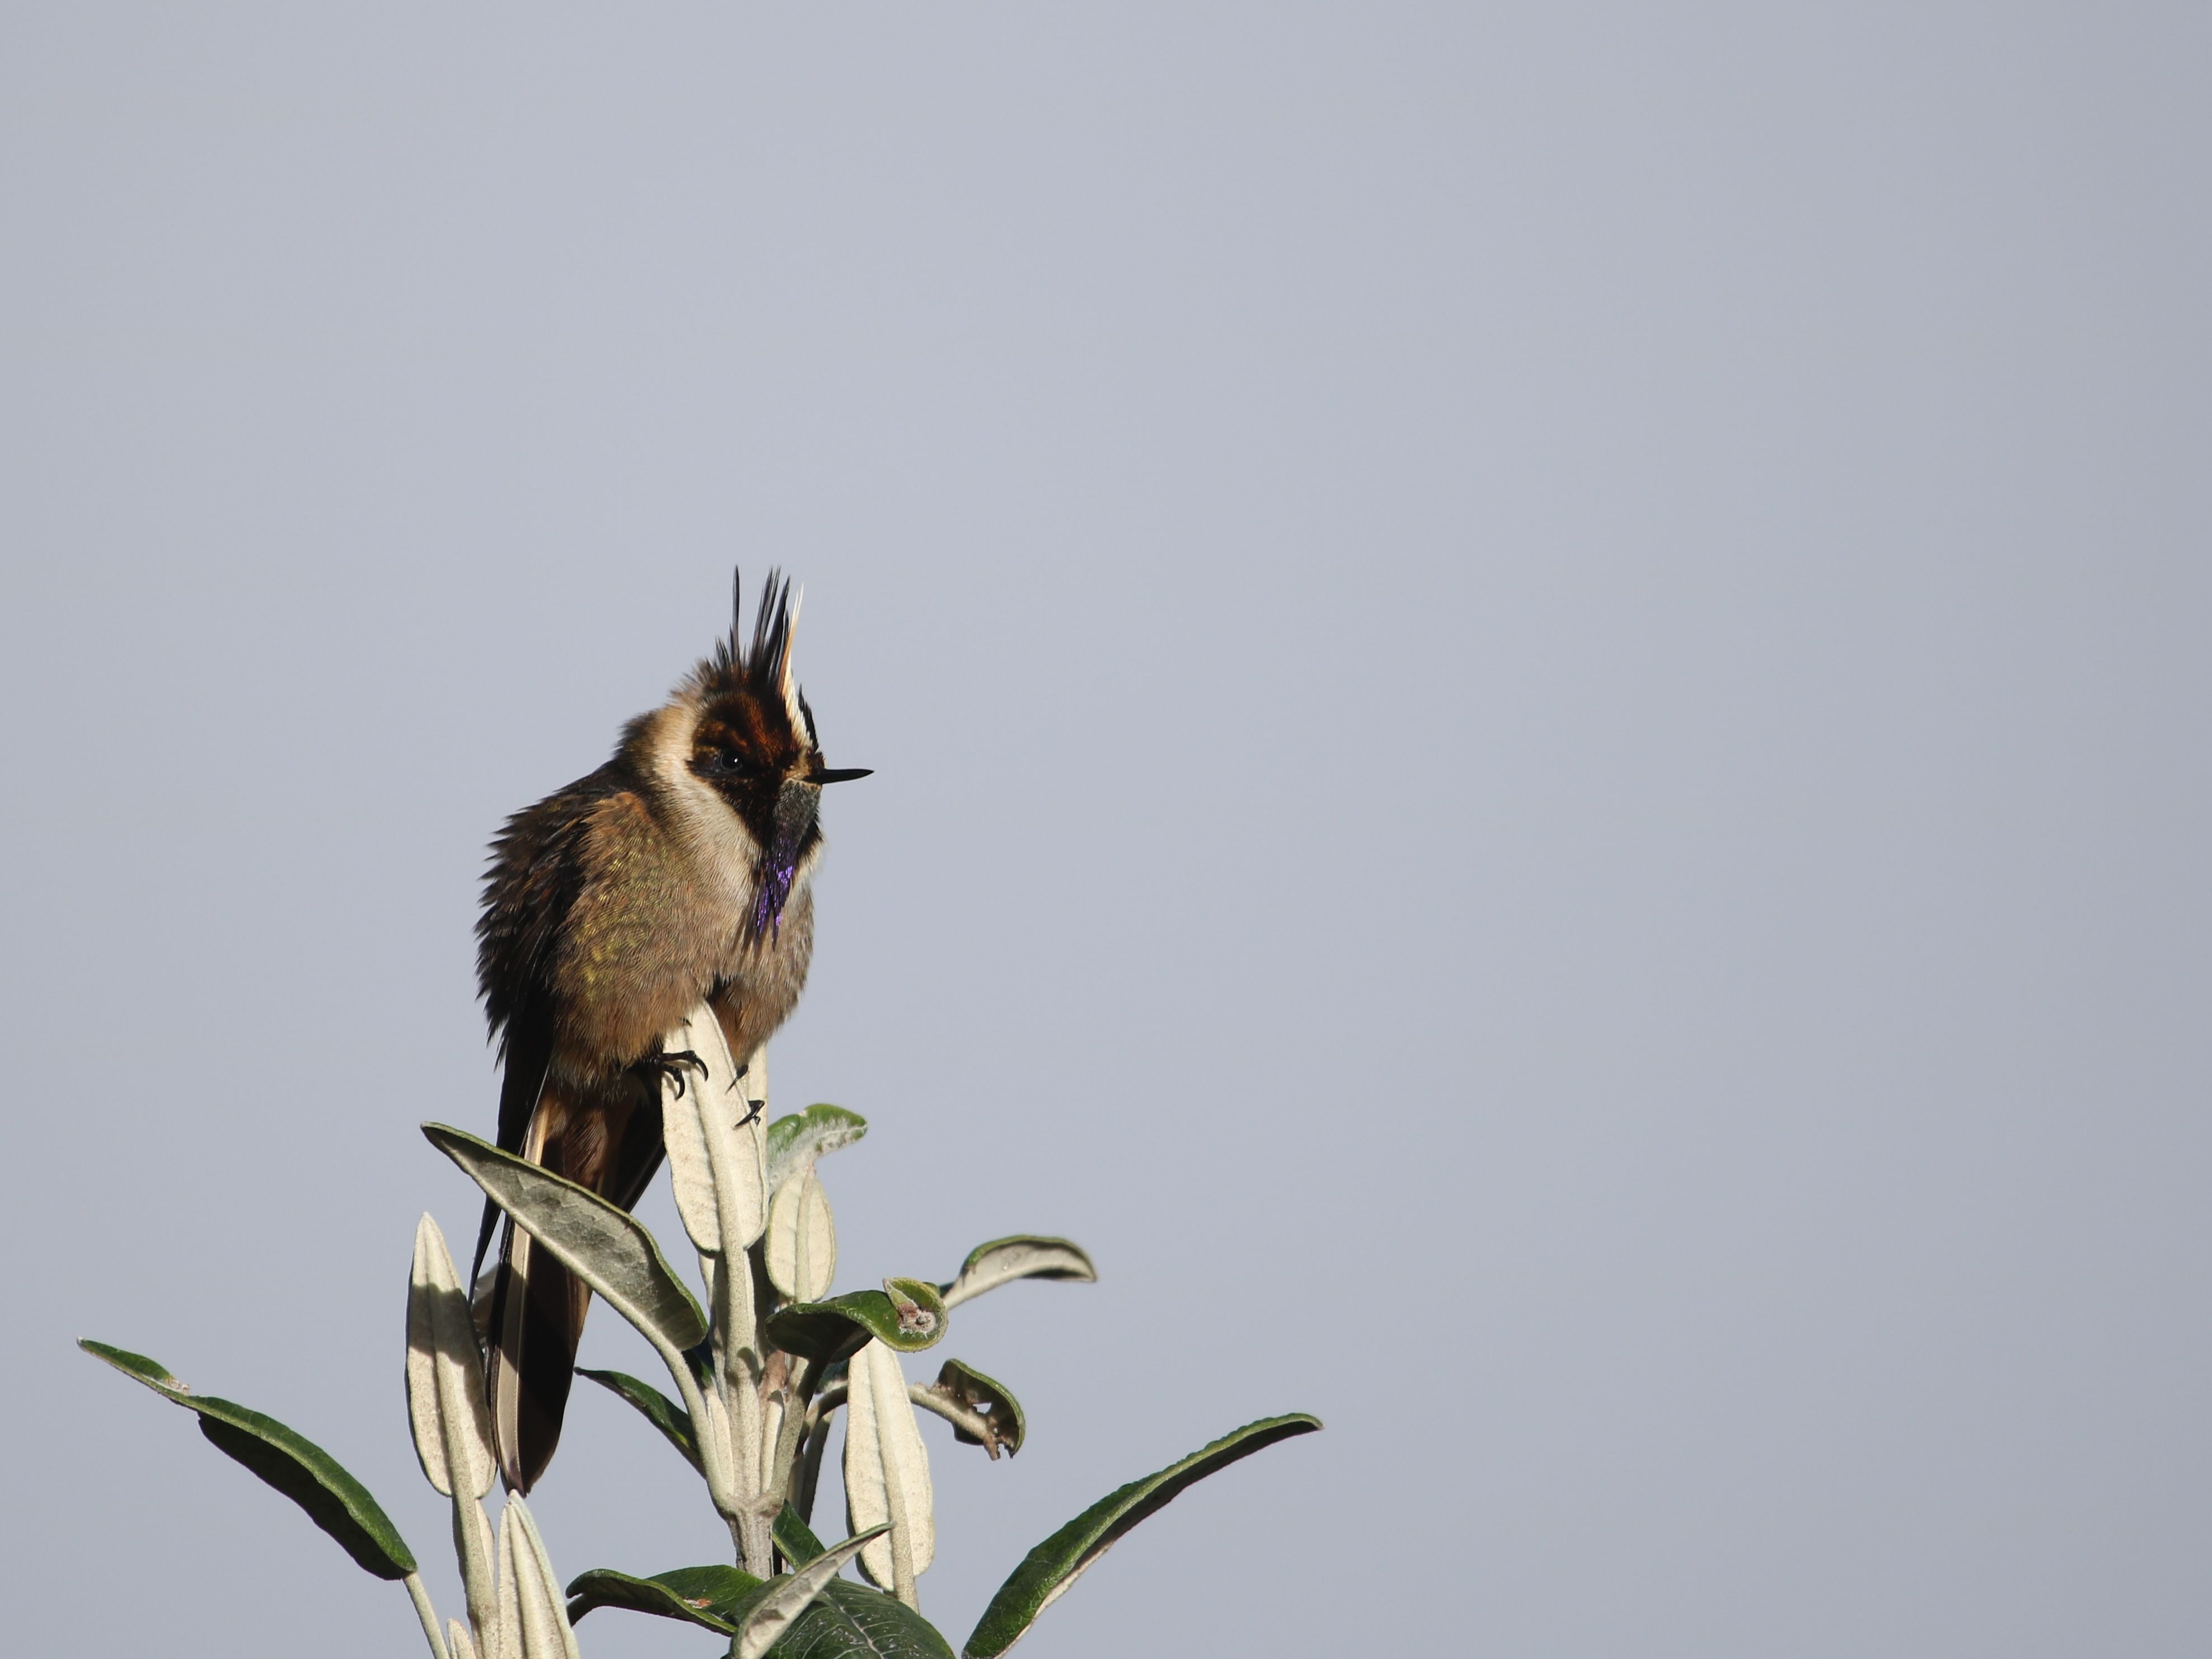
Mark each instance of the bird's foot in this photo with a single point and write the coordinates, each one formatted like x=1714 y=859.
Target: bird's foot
x=753 y=1107
x=670 y=1068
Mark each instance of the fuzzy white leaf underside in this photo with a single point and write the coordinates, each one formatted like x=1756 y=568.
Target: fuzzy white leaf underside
x=508 y=1641
x=712 y=1106
x=546 y=1609
x=1026 y=1259
x=445 y=1392
x=884 y=1457
x=802 y=1239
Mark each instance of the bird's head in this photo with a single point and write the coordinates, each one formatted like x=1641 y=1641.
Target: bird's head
x=753 y=744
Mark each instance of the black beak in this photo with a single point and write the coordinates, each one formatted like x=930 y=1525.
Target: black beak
x=843 y=775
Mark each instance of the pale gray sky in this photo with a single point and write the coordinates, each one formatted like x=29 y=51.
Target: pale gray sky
x=1539 y=679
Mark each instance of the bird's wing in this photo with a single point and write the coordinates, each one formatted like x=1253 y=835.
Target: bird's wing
x=535 y=872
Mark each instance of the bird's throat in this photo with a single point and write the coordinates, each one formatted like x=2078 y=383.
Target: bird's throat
x=792 y=837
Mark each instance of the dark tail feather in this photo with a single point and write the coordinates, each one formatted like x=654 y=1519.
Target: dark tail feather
x=537 y=1319
x=528 y=1045
x=483 y=1239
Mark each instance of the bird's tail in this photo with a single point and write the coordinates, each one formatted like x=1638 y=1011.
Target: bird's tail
x=534 y=1319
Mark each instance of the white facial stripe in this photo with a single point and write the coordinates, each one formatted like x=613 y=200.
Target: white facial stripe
x=716 y=834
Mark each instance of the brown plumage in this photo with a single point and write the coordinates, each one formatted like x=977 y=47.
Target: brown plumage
x=679 y=870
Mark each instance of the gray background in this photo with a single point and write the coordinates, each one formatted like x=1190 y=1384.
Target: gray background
x=1538 y=676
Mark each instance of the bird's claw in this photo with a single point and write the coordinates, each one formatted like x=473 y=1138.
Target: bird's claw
x=671 y=1067
x=753 y=1107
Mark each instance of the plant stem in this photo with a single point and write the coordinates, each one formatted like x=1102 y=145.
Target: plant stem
x=735 y=1320
x=791 y=1428
x=735 y=1365
x=429 y=1614
x=756 y=1543
x=714 y=1447
x=476 y=1553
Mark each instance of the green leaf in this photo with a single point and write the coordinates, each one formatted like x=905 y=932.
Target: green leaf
x=656 y=1407
x=295 y=1465
x=846 y=1621
x=699 y=1595
x=815 y=1133
x=1048 y=1570
x=795 y=1538
x=907 y=1314
x=138 y=1367
x=851 y=1621
x=603 y=1245
x=976 y=1402
x=788 y=1597
x=1023 y=1256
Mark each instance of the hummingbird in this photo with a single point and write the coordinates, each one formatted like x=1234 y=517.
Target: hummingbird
x=680 y=872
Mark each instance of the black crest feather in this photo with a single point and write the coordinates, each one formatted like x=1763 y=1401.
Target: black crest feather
x=764 y=663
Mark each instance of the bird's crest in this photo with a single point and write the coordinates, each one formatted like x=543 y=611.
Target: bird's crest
x=764 y=665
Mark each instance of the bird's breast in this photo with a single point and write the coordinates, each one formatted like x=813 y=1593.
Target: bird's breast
x=661 y=921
